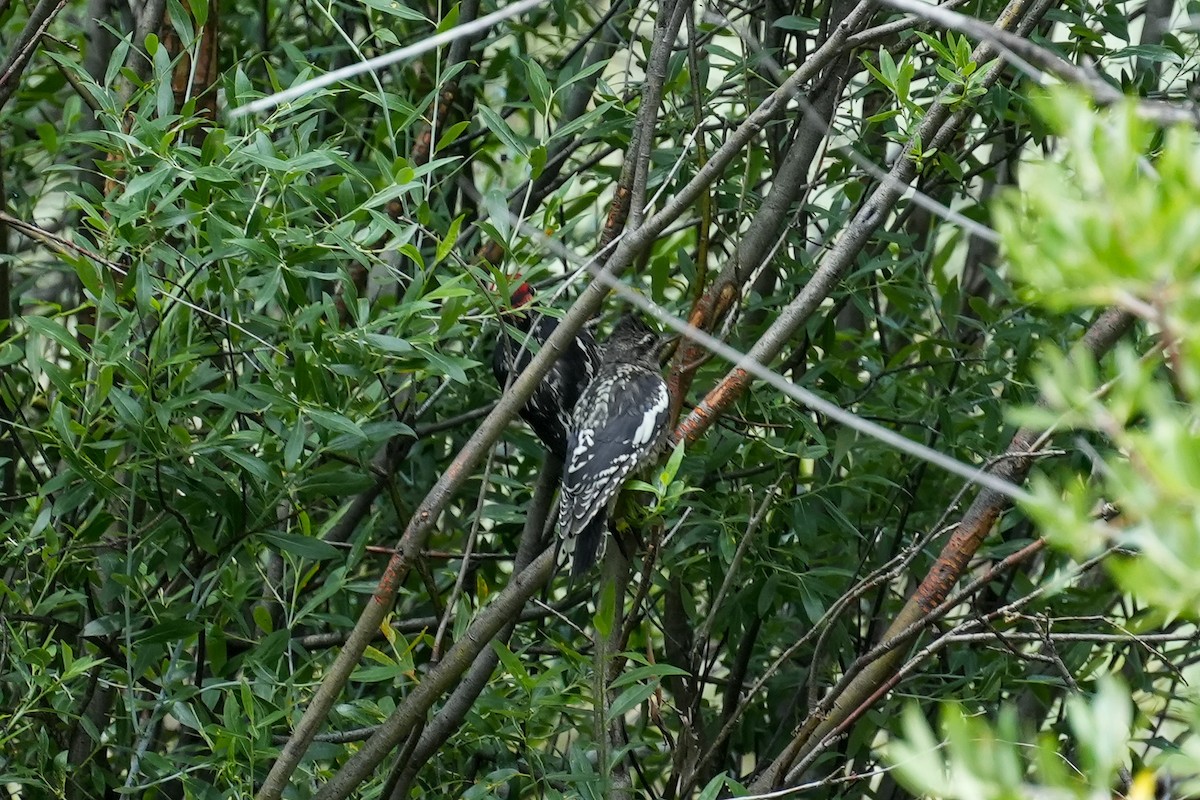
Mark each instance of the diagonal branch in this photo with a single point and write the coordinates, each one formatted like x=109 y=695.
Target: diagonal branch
x=937 y=129
x=666 y=28
x=455 y=33
x=759 y=243
x=585 y=307
x=486 y=626
x=25 y=46
x=452 y=714
x=968 y=535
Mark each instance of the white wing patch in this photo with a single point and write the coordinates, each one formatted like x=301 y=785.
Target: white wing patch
x=647 y=430
x=586 y=439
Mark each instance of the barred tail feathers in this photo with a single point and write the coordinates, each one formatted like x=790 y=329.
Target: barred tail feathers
x=589 y=544
x=583 y=517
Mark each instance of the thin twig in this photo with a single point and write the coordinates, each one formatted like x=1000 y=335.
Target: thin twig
x=387 y=59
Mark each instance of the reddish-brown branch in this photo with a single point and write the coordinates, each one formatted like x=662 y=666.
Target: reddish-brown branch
x=709 y=309
x=416 y=533
x=761 y=240
x=1001 y=567
x=868 y=685
x=977 y=522
x=714 y=404
x=618 y=212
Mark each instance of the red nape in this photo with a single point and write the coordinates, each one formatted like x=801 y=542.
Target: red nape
x=522 y=295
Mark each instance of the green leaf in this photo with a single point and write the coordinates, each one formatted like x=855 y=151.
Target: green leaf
x=1150 y=52
x=116 y=61
x=447 y=244
x=335 y=422
x=937 y=46
x=378 y=674
x=451 y=19
x=606 y=609
x=451 y=367
x=888 y=67
x=103 y=626
x=539 y=88
x=586 y=72
x=512 y=664
x=451 y=135
x=128 y=409
x=671 y=469
x=630 y=698
x=54 y=330
x=170 y=631
x=793 y=22
x=295 y=444
x=249 y=462
x=397 y=9
x=656 y=671
x=537 y=160
x=262 y=618
x=302 y=546
x=713 y=789
x=496 y=124
x=389 y=344
x=583 y=121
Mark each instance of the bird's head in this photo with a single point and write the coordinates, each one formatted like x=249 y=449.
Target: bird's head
x=633 y=341
x=522 y=293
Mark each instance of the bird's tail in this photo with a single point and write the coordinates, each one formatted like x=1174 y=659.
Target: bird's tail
x=589 y=545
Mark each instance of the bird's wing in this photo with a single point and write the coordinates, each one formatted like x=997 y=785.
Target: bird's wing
x=618 y=423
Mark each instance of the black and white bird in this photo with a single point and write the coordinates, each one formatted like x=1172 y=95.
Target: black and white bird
x=548 y=410
x=619 y=425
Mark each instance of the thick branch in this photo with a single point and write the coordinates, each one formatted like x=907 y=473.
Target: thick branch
x=442 y=677
x=25 y=46
x=759 y=242
x=937 y=128
x=584 y=308
x=951 y=563
x=452 y=714
x=666 y=28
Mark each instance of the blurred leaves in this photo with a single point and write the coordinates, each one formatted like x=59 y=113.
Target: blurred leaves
x=1109 y=220
x=242 y=351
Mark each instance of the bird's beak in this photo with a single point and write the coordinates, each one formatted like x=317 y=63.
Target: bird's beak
x=667 y=344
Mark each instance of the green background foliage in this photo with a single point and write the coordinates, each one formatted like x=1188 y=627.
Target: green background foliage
x=237 y=353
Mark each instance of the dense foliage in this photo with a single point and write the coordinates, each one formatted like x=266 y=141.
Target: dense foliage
x=255 y=484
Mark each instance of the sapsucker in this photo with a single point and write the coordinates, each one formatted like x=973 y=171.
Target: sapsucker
x=620 y=422
x=548 y=410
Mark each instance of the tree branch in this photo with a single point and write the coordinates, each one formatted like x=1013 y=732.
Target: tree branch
x=968 y=535
x=25 y=45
